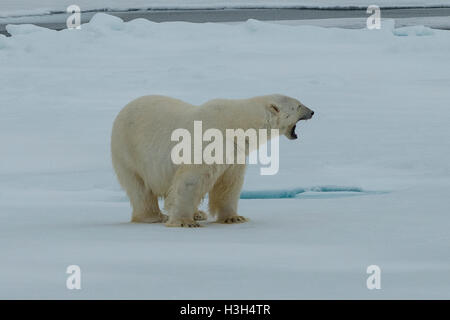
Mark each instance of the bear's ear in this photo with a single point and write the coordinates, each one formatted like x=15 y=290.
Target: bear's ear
x=273 y=109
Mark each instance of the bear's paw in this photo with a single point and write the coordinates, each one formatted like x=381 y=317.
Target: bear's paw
x=149 y=218
x=200 y=215
x=182 y=223
x=234 y=219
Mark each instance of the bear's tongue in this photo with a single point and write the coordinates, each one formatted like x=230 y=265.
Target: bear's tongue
x=293 y=134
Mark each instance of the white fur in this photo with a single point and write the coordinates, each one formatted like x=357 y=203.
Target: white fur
x=141 y=146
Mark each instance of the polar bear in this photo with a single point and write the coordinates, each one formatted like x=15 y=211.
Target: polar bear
x=141 y=147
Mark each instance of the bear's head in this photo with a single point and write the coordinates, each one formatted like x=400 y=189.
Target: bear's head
x=284 y=113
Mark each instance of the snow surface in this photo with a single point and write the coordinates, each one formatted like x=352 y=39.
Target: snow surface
x=378 y=144
x=10 y=8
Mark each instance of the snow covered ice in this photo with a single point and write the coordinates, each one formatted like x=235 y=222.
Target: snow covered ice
x=380 y=134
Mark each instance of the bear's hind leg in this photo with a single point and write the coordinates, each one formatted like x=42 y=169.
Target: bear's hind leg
x=147 y=209
x=224 y=196
x=143 y=201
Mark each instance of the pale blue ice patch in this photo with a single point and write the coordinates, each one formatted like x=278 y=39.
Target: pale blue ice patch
x=413 y=31
x=313 y=192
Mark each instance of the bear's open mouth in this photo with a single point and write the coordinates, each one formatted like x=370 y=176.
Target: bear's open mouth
x=292 y=133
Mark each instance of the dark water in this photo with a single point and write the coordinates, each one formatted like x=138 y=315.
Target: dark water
x=232 y=15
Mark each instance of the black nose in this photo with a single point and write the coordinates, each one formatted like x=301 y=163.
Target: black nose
x=312 y=113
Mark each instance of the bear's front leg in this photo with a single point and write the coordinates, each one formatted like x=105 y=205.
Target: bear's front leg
x=224 y=197
x=189 y=186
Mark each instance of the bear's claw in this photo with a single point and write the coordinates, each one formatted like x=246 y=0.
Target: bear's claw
x=234 y=219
